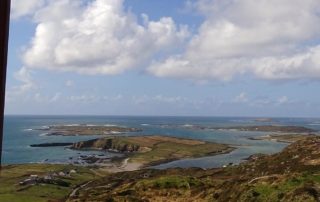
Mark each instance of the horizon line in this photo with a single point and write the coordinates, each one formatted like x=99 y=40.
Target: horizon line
x=139 y=115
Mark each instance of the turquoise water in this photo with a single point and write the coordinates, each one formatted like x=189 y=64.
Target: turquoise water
x=18 y=135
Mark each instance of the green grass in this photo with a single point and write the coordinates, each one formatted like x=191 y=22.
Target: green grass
x=168 y=182
x=169 y=150
x=11 y=191
x=275 y=191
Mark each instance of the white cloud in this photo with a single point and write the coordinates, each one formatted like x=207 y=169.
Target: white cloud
x=97 y=38
x=39 y=98
x=269 y=39
x=20 y=8
x=241 y=98
x=283 y=100
x=262 y=102
x=55 y=98
x=143 y=99
x=84 y=98
x=113 y=98
x=27 y=84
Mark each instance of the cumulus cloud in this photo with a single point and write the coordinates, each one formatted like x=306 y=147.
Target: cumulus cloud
x=26 y=84
x=20 y=8
x=268 y=39
x=23 y=76
x=99 y=37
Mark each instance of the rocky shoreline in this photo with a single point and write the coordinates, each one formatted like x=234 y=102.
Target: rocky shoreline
x=143 y=150
x=154 y=150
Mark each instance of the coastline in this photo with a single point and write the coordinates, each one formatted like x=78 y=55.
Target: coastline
x=147 y=151
x=74 y=183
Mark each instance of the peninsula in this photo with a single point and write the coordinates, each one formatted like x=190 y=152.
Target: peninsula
x=154 y=150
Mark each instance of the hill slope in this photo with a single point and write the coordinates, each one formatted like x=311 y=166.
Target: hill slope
x=291 y=175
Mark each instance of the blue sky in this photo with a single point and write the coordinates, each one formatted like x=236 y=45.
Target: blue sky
x=142 y=57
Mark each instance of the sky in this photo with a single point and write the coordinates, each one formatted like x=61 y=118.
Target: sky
x=257 y=58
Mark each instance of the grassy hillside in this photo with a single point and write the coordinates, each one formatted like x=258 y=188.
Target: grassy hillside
x=291 y=175
x=11 y=191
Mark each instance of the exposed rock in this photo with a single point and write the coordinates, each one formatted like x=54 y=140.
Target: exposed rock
x=106 y=144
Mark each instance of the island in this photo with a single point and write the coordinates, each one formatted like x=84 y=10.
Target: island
x=271 y=128
x=153 y=150
x=264 y=120
x=286 y=138
x=73 y=130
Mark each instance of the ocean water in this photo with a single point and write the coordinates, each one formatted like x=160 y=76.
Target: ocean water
x=18 y=136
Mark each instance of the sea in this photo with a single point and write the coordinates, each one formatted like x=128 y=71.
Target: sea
x=20 y=132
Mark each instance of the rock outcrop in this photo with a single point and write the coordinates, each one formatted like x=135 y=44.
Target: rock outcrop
x=107 y=144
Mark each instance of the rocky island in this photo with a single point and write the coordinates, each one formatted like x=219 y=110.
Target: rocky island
x=73 y=130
